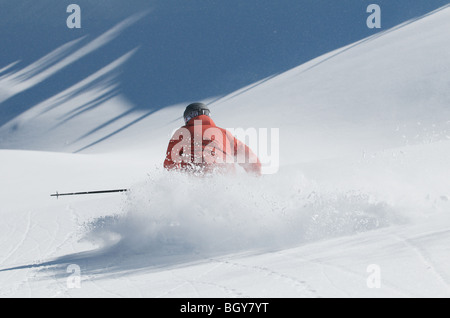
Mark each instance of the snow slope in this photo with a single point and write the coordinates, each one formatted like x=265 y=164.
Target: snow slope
x=363 y=180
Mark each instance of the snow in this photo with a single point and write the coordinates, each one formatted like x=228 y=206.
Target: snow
x=363 y=182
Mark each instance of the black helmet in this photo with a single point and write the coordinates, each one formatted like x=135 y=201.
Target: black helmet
x=194 y=110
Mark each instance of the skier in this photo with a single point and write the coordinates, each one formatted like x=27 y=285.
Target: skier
x=202 y=147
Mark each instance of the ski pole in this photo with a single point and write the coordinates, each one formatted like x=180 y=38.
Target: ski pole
x=57 y=194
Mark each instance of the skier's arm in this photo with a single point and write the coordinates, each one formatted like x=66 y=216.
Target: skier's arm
x=246 y=158
x=169 y=164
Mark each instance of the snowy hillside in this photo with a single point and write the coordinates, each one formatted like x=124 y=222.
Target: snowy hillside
x=363 y=182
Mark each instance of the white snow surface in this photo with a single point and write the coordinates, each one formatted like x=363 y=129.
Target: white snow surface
x=364 y=181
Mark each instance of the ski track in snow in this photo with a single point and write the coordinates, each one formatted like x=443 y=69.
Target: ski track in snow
x=344 y=270
x=302 y=287
x=229 y=291
x=423 y=256
x=197 y=281
x=22 y=240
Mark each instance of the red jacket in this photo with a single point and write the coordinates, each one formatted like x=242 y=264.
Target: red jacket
x=202 y=146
